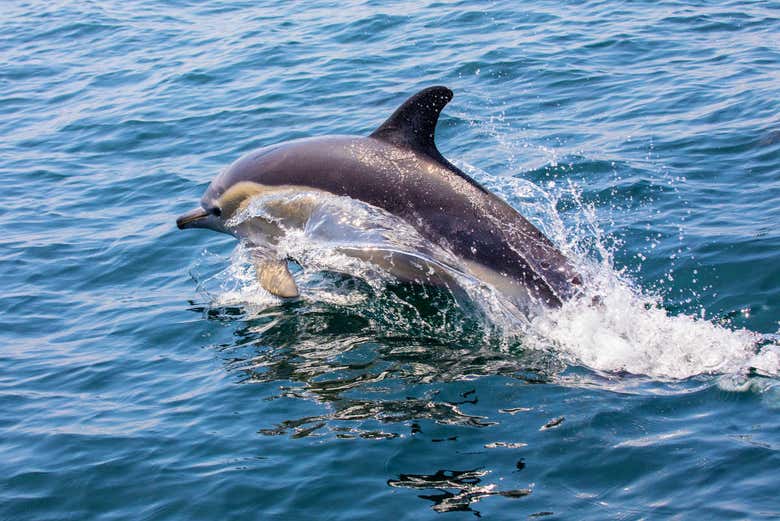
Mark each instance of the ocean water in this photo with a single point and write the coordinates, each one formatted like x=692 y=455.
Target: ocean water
x=145 y=375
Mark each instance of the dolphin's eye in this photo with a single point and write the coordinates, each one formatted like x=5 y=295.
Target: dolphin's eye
x=217 y=211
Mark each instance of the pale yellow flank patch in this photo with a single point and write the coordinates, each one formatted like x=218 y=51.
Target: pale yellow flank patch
x=238 y=196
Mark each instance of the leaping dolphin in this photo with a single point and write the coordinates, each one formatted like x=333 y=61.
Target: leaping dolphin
x=399 y=170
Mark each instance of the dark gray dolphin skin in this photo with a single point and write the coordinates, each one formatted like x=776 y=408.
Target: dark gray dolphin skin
x=398 y=169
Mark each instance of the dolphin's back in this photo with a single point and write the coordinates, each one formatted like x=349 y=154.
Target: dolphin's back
x=444 y=204
x=399 y=169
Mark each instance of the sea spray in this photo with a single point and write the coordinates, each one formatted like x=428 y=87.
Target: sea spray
x=614 y=325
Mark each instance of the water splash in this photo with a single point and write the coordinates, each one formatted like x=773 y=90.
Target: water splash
x=615 y=326
x=627 y=329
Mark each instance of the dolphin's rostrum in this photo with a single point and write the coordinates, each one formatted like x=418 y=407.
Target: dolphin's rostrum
x=399 y=170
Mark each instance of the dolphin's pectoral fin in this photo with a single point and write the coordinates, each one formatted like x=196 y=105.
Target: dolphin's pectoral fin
x=413 y=124
x=275 y=277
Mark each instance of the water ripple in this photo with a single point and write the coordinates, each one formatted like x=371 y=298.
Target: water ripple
x=128 y=391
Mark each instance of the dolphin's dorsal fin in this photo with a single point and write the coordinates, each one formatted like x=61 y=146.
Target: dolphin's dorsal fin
x=413 y=124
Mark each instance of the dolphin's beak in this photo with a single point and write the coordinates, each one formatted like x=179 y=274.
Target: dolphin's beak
x=191 y=219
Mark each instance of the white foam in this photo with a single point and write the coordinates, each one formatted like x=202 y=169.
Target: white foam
x=627 y=330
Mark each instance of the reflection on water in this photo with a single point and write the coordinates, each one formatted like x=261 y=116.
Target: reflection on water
x=458 y=490
x=378 y=370
x=375 y=360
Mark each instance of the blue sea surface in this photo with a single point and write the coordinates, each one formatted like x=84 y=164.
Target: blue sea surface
x=143 y=377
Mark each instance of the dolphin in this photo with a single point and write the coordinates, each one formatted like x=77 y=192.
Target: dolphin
x=399 y=170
